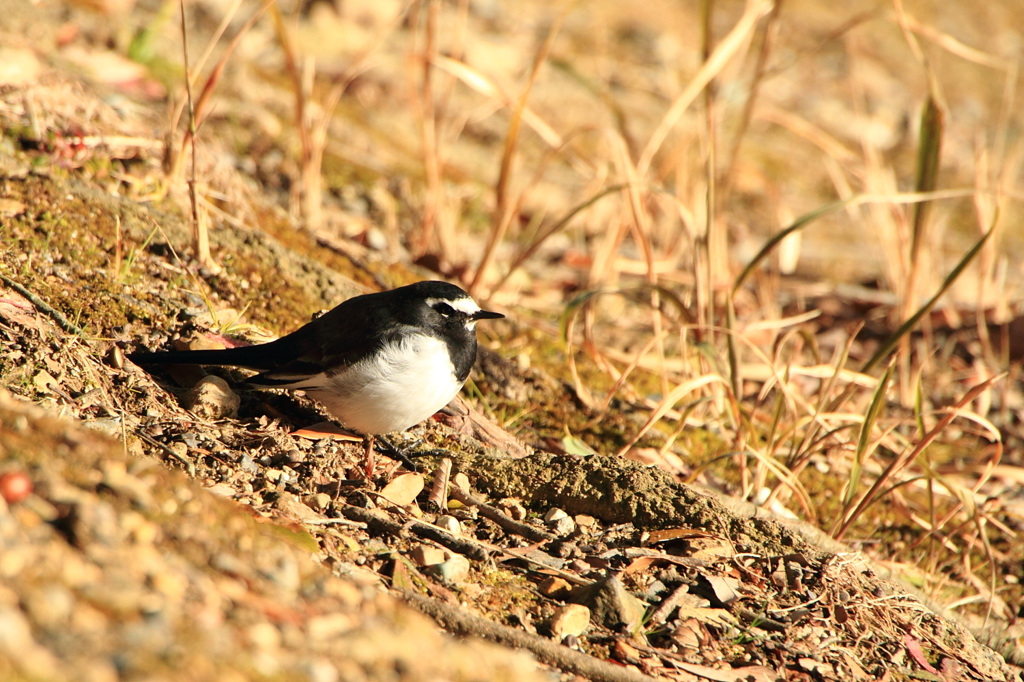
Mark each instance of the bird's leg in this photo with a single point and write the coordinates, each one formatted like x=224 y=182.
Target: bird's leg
x=388 y=448
x=368 y=458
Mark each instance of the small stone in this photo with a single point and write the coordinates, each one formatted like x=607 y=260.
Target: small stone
x=222 y=490
x=579 y=566
x=450 y=524
x=585 y=520
x=293 y=507
x=554 y=587
x=16 y=642
x=563 y=527
x=295 y=456
x=554 y=514
x=264 y=637
x=329 y=626
x=813 y=666
x=569 y=620
x=50 y=606
x=513 y=508
x=376 y=239
x=319 y=501
x=246 y=464
x=322 y=670
x=453 y=571
x=612 y=605
x=191 y=439
x=109 y=425
x=211 y=398
x=15 y=486
x=656 y=589
x=114 y=357
x=559 y=522
x=461 y=481
x=424 y=555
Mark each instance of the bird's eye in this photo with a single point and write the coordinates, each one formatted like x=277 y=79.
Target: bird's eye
x=444 y=309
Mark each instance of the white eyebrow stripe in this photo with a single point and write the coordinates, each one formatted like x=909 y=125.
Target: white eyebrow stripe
x=464 y=305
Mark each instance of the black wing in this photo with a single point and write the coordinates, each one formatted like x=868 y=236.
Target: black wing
x=341 y=337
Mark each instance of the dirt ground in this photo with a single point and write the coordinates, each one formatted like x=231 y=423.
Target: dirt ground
x=753 y=595
x=163 y=535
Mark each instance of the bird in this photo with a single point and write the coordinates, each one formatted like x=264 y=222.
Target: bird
x=378 y=363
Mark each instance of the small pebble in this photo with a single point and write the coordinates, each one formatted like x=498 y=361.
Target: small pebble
x=15 y=486
x=560 y=523
x=319 y=501
x=569 y=620
x=585 y=520
x=554 y=587
x=450 y=524
x=424 y=555
x=212 y=398
x=246 y=464
x=554 y=514
x=513 y=508
x=453 y=571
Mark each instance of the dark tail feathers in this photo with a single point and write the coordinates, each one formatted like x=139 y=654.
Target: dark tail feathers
x=253 y=357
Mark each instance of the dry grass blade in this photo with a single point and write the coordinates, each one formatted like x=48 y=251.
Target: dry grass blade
x=640 y=227
x=196 y=69
x=714 y=64
x=928 y=159
x=502 y=216
x=582 y=303
x=952 y=45
x=214 y=78
x=732 y=351
x=788 y=479
x=799 y=224
x=928 y=156
x=803 y=451
x=200 y=237
x=428 y=133
x=769 y=33
x=554 y=228
x=865 y=444
x=301 y=83
x=485 y=86
x=900 y=462
x=313 y=166
x=909 y=325
x=663 y=408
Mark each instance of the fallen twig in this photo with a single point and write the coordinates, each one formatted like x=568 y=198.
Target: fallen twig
x=379 y=521
x=458 y=621
x=507 y=523
x=43 y=307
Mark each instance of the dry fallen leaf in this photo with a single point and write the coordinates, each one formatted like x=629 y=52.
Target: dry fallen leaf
x=403 y=489
x=725 y=588
x=322 y=430
x=752 y=673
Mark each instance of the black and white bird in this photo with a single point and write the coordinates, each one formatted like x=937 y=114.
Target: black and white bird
x=378 y=363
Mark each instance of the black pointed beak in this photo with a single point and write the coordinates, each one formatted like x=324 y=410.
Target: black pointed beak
x=485 y=315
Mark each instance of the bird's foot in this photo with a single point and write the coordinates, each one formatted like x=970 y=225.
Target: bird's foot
x=391 y=450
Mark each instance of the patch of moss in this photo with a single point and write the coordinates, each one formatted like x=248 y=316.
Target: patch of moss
x=62 y=249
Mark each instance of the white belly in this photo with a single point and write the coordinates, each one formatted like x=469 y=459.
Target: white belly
x=406 y=384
